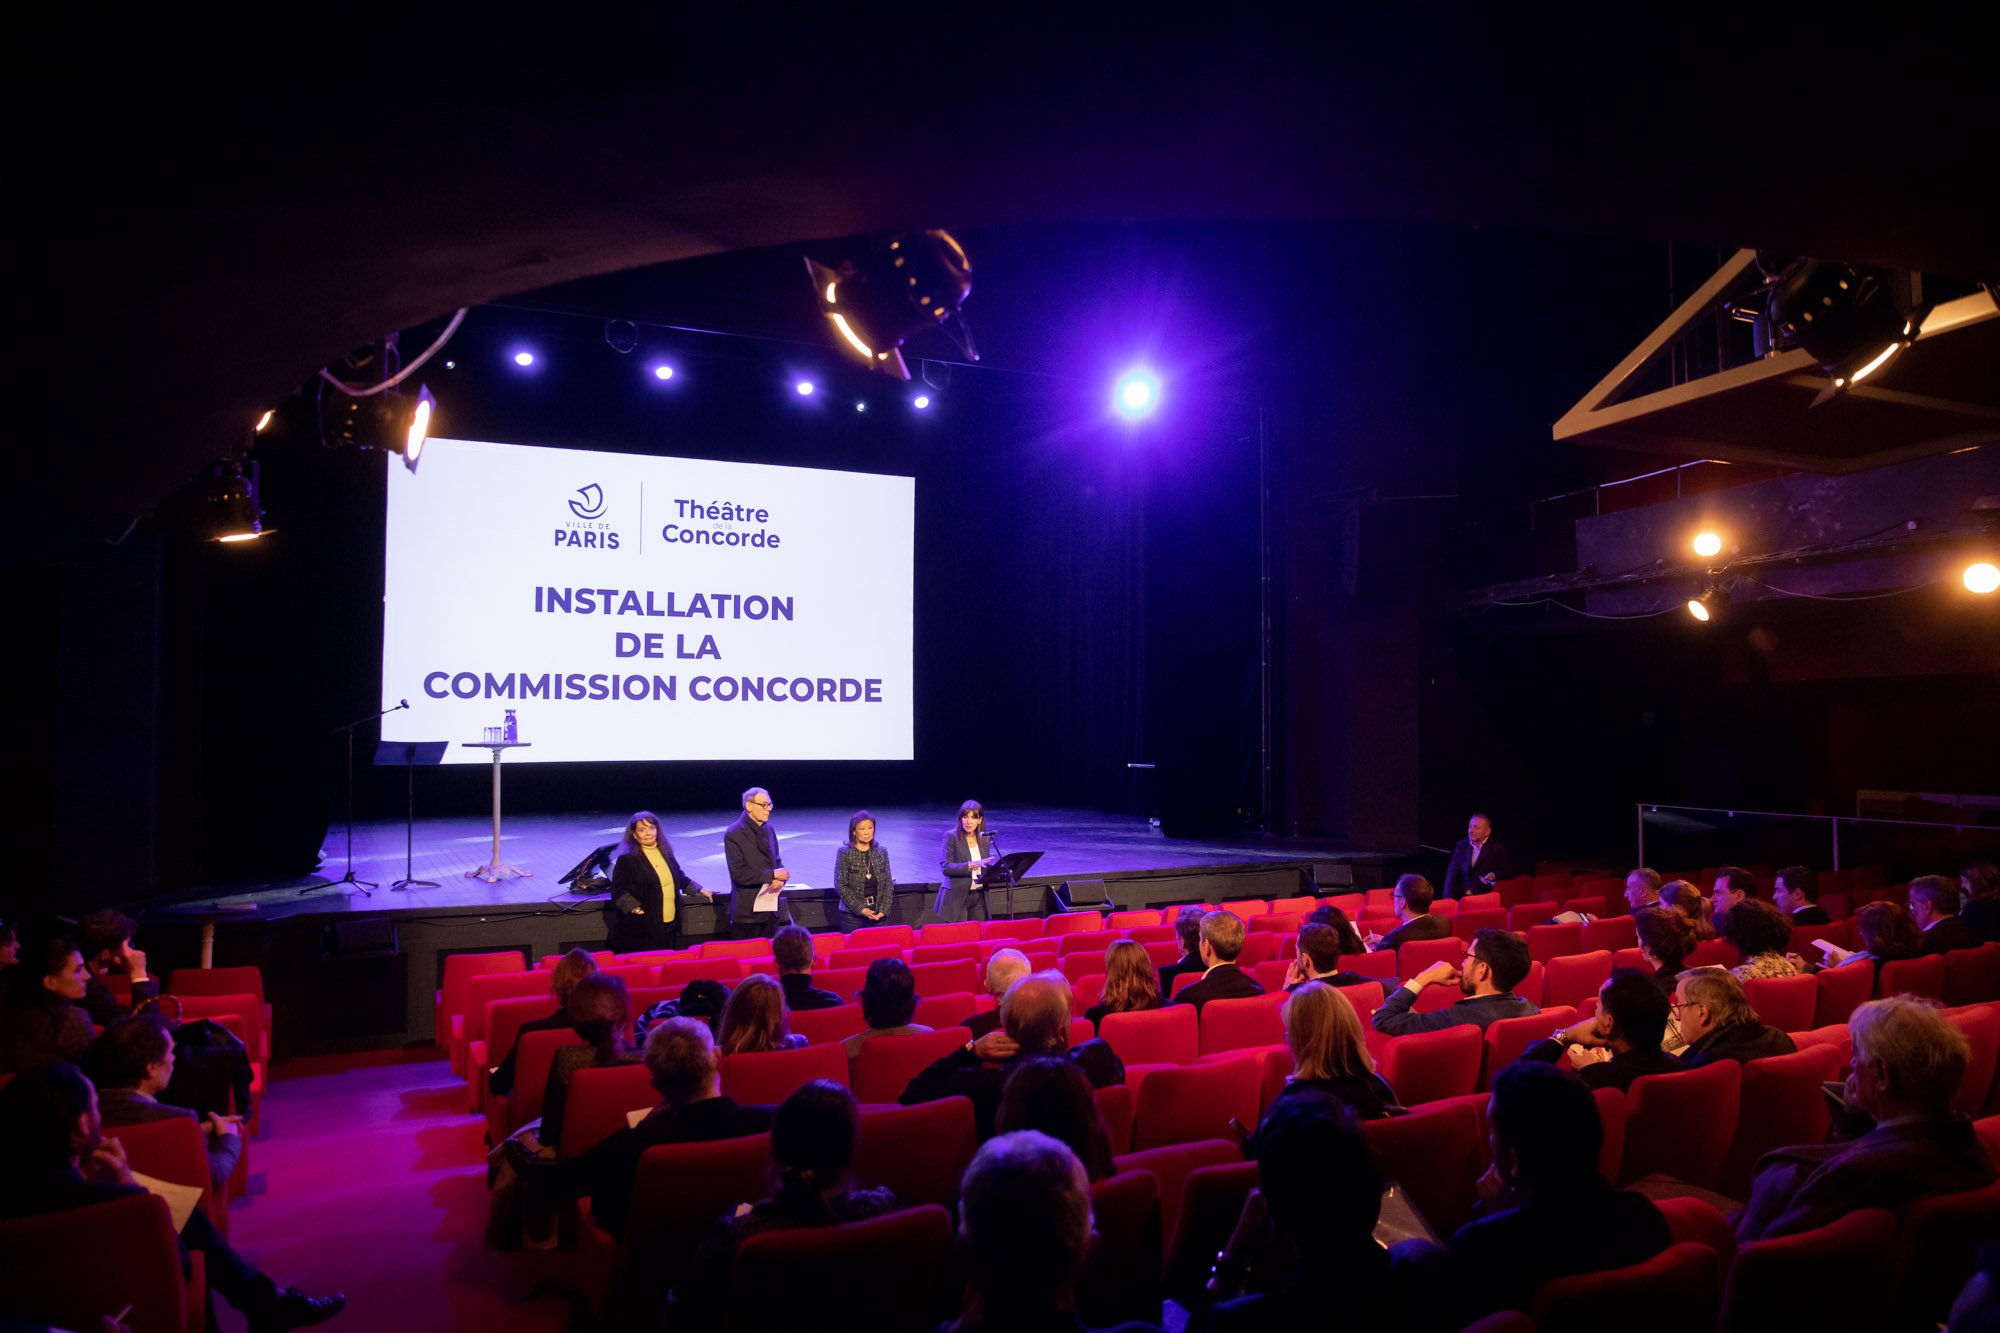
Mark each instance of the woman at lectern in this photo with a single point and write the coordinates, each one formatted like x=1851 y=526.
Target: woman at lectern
x=967 y=852
x=861 y=874
x=644 y=913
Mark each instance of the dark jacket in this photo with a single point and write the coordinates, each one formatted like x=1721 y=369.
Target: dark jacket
x=1982 y=917
x=851 y=870
x=1369 y=1095
x=41 y=1032
x=1948 y=934
x=1369 y=1288
x=1799 y=1189
x=1738 y=1042
x=800 y=993
x=752 y=853
x=1339 y=979
x=1188 y=963
x=104 y=1007
x=1464 y=876
x=1395 y=1018
x=606 y=1171
x=701 y=1297
x=1812 y=914
x=636 y=887
x=1617 y=1072
x=1425 y=927
x=1500 y=1262
x=501 y=1081
x=1225 y=981
x=1097 y=1013
x=129 y=1106
x=962 y=1074
x=982 y=1023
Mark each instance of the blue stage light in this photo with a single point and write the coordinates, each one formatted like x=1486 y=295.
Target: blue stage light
x=921 y=401
x=805 y=388
x=861 y=407
x=663 y=372
x=524 y=358
x=1137 y=393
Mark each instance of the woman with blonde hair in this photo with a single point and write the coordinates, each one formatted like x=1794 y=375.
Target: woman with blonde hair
x=1697 y=911
x=756 y=1019
x=1130 y=983
x=1329 y=1053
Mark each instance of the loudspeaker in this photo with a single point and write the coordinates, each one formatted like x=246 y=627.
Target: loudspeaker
x=358 y=939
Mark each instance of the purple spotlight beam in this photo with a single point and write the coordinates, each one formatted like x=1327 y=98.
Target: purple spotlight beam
x=805 y=388
x=1136 y=394
x=663 y=372
x=524 y=358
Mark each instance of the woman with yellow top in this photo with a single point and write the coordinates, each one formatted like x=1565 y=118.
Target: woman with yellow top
x=643 y=913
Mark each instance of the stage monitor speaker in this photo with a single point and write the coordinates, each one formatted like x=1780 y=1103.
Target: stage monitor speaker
x=358 y=939
x=1084 y=894
x=1333 y=874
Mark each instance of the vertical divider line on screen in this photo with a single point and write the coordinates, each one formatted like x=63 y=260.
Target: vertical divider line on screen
x=642 y=518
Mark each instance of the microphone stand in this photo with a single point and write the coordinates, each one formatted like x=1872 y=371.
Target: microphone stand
x=1003 y=870
x=350 y=877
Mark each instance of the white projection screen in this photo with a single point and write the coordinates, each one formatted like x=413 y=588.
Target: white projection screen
x=630 y=607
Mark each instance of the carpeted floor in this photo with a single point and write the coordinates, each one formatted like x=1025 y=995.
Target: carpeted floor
x=370 y=1179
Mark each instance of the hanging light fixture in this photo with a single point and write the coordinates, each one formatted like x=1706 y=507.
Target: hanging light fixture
x=898 y=287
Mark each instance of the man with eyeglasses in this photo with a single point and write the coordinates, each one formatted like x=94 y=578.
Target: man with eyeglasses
x=1494 y=963
x=756 y=866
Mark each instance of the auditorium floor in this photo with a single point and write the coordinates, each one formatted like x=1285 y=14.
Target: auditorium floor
x=370 y=1179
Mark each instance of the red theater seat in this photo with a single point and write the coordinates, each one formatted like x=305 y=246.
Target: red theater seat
x=1786 y=1003
x=1842 y=990
x=1803 y=936
x=677 y=1195
x=1435 y=1154
x=1981 y=1026
x=828 y=943
x=819 y=1026
x=1079 y=965
x=1470 y=921
x=1508 y=1037
x=1430 y=1066
x=1271 y=975
x=1163 y=953
x=602 y=957
x=1304 y=905
x=1151 y=916
x=959 y=978
x=1672 y=1292
x=1211 y=1202
x=1228 y=1025
x=1171 y=1166
x=1247 y=908
x=1681 y=1125
x=1972 y=976
x=842 y=981
x=1086 y=990
x=870 y=937
x=1780 y=1105
x=176 y=1151
x=460 y=968
x=1940 y=1242
x=54 y=1271
x=1115 y=1104
x=971 y=952
x=531 y=1080
x=773 y=1268
x=1547 y=942
x=1417 y=955
x=1167 y=933
x=1523 y=917
x=598 y=1102
x=222 y=981
x=481 y=991
x=1278 y=923
x=1611 y=932
x=1575 y=978
x=1123 y=1282
x=944 y=1011
x=1183 y=981
x=1195 y=1102
x=1380 y=964
x=852 y=957
x=1027 y=928
x=734 y=949
x=1913 y=976
x=1714 y=953
x=951 y=932
x=1069 y=923
x=681 y=972
x=1260 y=948
x=1850 y=1260
x=886 y=1065
x=917 y=1151
x=768 y=1078
x=1086 y=942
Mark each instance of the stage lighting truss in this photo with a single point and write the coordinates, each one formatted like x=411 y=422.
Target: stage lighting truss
x=900 y=286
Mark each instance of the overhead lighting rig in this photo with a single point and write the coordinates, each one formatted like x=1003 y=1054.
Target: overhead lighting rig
x=898 y=287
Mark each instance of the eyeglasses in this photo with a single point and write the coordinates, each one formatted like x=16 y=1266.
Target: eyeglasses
x=765 y=804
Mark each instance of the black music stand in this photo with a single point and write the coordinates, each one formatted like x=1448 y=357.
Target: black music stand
x=409 y=754
x=1006 y=873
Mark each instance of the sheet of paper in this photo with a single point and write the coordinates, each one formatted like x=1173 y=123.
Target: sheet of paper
x=181 y=1199
x=632 y=1118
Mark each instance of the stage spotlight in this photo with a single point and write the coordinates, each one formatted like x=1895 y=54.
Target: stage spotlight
x=1982 y=577
x=265 y=420
x=902 y=285
x=1137 y=393
x=861 y=407
x=1846 y=318
x=225 y=507
x=524 y=358
x=1707 y=544
x=379 y=421
x=921 y=401
x=1704 y=607
x=621 y=335
x=805 y=388
x=663 y=372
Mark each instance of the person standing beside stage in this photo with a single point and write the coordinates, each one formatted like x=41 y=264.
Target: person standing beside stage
x=968 y=850
x=750 y=848
x=645 y=914
x=861 y=874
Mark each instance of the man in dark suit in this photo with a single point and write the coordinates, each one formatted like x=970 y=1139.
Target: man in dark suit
x=1003 y=969
x=750 y=847
x=132 y=1063
x=1034 y=1019
x=1318 y=959
x=1718 y=1023
x=1495 y=962
x=1412 y=901
x=1222 y=935
x=1478 y=862
x=1934 y=907
x=1908 y=1063
x=1631 y=1020
x=792 y=951
x=58 y=1158
x=1797 y=892
x=1187 y=928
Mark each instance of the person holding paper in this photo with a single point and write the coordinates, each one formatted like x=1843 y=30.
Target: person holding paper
x=757 y=871
x=968 y=851
x=647 y=887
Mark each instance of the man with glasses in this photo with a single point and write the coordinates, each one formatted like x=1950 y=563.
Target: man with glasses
x=756 y=866
x=1494 y=963
x=1412 y=902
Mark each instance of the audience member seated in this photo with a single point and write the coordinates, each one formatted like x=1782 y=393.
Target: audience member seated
x=1187 y=929
x=1696 y=910
x=1318 y=1197
x=1665 y=941
x=792 y=951
x=1544 y=1211
x=1908 y=1063
x=1718 y=1023
x=1622 y=1042
x=1003 y=969
x=703 y=998
x=131 y=1064
x=1054 y=1096
x=812 y=1185
x=1762 y=934
x=104 y=938
x=756 y=1019
x=1797 y=895
x=1222 y=936
x=1329 y=1053
x=1980 y=881
x=1733 y=885
x=1493 y=964
x=687 y=1073
x=1326 y=914
x=888 y=1003
x=1318 y=959
x=1411 y=900
x=1934 y=909
x=573 y=967
x=598 y=1010
x=1130 y=984
x=58 y=1159
x=1977 y=1309
x=1034 y=1021
x=1642 y=889
x=1027 y=1235
x=44 y=1022
x=1887 y=933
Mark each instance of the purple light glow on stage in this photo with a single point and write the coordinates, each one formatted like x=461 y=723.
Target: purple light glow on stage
x=921 y=401
x=524 y=358
x=663 y=372
x=1138 y=393
x=805 y=388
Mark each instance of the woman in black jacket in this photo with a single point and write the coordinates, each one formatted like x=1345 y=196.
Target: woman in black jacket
x=861 y=874
x=968 y=851
x=644 y=915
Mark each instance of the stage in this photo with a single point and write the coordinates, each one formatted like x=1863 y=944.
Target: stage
x=360 y=967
